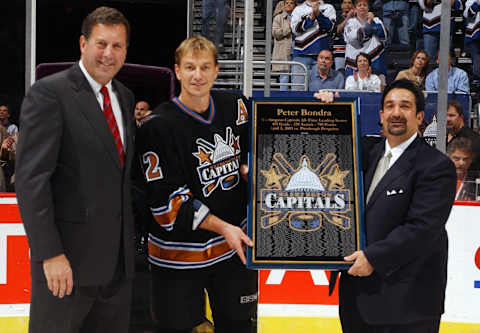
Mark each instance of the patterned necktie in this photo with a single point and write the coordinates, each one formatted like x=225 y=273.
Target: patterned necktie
x=112 y=123
x=382 y=168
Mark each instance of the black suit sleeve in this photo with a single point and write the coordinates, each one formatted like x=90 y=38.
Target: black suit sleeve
x=423 y=222
x=37 y=153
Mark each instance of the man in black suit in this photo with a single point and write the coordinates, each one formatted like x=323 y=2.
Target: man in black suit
x=397 y=283
x=73 y=186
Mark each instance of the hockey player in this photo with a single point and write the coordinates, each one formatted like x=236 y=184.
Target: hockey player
x=194 y=152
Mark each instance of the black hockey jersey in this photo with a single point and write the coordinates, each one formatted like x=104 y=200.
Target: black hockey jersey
x=191 y=166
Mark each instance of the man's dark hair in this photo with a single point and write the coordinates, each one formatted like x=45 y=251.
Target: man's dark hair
x=455 y=104
x=107 y=16
x=460 y=143
x=410 y=86
x=328 y=50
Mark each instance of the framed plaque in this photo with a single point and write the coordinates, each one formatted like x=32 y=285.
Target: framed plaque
x=306 y=195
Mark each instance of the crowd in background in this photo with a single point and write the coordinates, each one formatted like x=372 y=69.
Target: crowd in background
x=389 y=33
x=347 y=46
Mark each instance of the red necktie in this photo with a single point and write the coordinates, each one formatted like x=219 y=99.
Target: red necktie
x=112 y=123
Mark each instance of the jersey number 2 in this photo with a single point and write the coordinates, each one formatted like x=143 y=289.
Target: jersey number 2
x=153 y=172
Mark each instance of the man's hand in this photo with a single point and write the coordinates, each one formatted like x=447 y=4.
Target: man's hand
x=237 y=240
x=7 y=144
x=361 y=266
x=326 y=96
x=234 y=236
x=370 y=17
x=351 y=13
x=244 y=172
x=59 y=275
x=315 y=9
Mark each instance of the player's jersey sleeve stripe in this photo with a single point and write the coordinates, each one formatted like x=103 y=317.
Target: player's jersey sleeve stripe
x=200 y=213
x=166 y=215
x=187 y=255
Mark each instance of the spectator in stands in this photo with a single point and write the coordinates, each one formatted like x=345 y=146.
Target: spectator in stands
x=142 y=109
x=461 y=153
x=348 y=11
x=431 y=23
x=395 y=18
x=362 y=78
x=417 y=71
x=365 y=33
x=282 y=40
x=3 y=163
x=456 y=128
x=278 y=7
x=472 y=33
x=323 y=76
x=457 y=78
x=7 y=160
x=4 y=120
x=311 y=23
x=209 y=9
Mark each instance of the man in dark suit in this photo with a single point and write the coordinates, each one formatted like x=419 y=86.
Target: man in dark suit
x=73 y=186
x=397 y=283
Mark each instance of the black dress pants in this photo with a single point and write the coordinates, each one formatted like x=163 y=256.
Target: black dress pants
x=352 y=321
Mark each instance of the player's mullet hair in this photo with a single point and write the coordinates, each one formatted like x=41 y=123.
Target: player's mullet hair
x=410 y=86
x=195 y=44
x=107 y=16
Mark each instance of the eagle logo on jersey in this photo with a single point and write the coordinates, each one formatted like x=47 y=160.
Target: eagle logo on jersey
x=219 y=162
x=305 y=196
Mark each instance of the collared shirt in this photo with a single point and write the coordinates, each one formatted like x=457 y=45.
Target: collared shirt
x=117 y=111
x=334 y=80
x=11 y=128
x=397 y=151
x=457 y=80
x=369 y=83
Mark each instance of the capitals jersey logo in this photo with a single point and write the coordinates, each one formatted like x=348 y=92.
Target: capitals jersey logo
x=305 y=196
x=219 y=162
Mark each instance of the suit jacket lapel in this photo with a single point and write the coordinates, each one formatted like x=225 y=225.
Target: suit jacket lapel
x=402 y=165
x=88 y=105
x=375 y=156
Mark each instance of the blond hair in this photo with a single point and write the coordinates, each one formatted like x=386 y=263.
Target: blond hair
x=195 y=44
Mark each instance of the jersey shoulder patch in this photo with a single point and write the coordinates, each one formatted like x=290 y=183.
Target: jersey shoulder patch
x=242 y=114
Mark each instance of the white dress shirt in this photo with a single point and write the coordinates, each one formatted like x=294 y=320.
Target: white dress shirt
x=117 y=111
x=398 y=150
